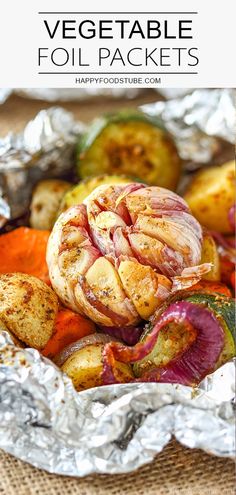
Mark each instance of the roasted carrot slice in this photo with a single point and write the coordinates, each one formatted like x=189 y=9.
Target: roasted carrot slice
x=69 y=327
x=209 y=287
x=24 y=250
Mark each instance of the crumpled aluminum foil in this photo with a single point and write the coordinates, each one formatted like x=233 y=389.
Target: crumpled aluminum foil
x=111 y=429
x=197 y=121
x=44 y=149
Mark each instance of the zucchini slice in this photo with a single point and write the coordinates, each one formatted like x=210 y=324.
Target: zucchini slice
x=173 y=339
x=130 y=143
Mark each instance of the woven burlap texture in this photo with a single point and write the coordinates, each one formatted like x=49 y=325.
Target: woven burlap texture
x=175 y=471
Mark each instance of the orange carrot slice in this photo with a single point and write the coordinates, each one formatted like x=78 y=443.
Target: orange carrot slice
x=69 y=327
x=24 y=250
x=211 y=287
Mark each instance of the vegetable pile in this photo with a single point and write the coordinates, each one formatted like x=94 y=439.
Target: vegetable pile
x=118 y=279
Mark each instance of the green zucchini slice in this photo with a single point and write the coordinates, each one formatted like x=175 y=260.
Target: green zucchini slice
x=130 y=143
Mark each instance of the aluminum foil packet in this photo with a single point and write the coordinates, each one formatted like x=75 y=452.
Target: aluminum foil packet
x=44 y=149
x=111 y=429
x=203 y=123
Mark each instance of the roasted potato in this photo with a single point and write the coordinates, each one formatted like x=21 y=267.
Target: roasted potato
x=210 y=255
x=210 y=196
x=82 y=362
x=28 y=308
x=77 y=194
x=130 y=143
x=46 y=199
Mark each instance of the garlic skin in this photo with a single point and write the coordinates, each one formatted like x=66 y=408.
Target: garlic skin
x=116 y=257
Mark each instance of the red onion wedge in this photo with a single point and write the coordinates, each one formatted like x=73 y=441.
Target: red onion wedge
x=194 y=363
x=129 y=335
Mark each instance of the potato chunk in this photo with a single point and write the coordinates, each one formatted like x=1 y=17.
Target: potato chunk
x=84 y=367
x=210 y=196
x=45 y=202
x=28 y=308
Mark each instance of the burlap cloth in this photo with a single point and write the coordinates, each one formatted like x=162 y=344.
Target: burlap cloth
x=176 y=470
